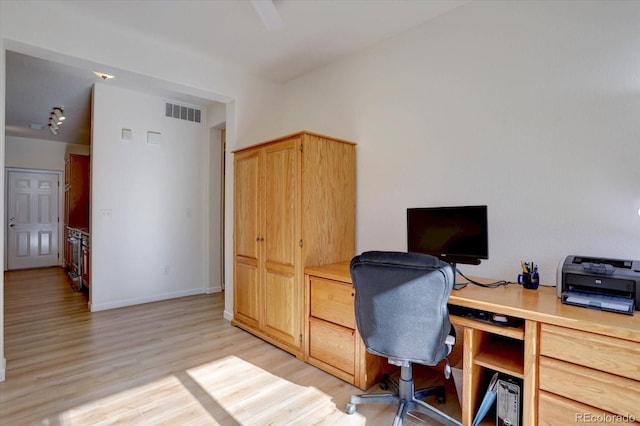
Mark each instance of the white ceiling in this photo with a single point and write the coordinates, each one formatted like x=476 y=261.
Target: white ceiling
x=314 y=34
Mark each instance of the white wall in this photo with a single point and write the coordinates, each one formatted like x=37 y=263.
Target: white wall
x=148 y=211
x=529 y=107
x=39 y=154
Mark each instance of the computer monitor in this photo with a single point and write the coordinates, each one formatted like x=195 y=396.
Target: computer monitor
x=453 y=234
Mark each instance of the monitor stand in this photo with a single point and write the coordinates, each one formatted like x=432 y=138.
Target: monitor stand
x=457 y=285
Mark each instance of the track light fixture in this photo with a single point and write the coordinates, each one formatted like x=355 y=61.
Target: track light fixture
x=58 y=113
x=56 y=118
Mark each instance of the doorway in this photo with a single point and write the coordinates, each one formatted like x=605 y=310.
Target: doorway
x=223 y=155
x=217 y=141
x=32 y=219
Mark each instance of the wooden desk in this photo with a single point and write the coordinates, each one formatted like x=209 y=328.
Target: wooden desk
x=576 y=364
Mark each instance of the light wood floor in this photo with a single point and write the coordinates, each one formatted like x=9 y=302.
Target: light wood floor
x=173 y=362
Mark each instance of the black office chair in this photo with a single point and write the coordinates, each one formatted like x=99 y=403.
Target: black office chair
x=401 y=313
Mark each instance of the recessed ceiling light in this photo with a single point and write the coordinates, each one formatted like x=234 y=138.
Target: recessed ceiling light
x=103 y=75
x=35 y=126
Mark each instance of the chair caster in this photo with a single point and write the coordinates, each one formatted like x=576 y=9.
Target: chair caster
x=351 y=408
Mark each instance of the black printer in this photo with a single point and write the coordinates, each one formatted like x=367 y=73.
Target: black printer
x=600 y=283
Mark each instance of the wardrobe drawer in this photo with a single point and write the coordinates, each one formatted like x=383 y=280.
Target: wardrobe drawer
x=617 y=356
x=598 y=389
x=332 y=344
x=333 y=301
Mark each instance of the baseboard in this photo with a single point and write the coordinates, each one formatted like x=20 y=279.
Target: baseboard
x=139 y=301
x=3 y=369
x=214 y=289
x=228 y=315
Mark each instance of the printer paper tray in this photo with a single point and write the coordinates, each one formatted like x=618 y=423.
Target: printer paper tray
x=604 y=302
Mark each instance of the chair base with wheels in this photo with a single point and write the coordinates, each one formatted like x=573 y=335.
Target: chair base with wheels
x=405 y=397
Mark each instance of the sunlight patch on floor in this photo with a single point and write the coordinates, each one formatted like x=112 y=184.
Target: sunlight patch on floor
x=254 y=396
x=160 y=400
x=229 y=391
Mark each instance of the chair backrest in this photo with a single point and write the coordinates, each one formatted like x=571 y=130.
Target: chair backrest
x=401 y=304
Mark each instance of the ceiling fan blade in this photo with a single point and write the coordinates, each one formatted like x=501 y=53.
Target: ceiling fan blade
x=268 y=14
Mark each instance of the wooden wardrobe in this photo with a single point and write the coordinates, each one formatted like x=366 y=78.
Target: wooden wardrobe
x=294 y=207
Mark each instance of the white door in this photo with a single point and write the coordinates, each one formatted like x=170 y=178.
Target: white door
x=32 y=220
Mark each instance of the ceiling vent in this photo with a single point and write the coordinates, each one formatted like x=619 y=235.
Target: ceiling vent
x=182 y=112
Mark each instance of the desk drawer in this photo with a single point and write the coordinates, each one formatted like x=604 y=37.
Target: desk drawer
x=617 y=356
x=333 y=301
x=554 y=410
x=332 y=344
x=605 y=391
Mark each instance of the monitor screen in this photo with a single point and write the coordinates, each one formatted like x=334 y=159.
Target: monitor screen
x=454 y=234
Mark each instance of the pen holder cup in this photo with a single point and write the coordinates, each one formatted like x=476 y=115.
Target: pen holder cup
x=529 y=280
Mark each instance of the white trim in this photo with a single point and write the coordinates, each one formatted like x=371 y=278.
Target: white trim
x=214 y=289
x=228 y=315
x=141 y=300
x=3 y=361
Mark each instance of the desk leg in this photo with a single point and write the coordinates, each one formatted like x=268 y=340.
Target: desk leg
x=472 y=374
x=530 y=383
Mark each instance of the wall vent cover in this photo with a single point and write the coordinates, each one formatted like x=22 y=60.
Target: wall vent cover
x=182 y=112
